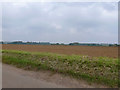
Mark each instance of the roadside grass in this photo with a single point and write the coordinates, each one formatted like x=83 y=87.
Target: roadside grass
x=101 y=70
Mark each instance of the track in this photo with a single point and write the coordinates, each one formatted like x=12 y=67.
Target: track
x=13 y=77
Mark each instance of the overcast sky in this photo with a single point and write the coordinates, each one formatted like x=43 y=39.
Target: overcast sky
x=60 y=22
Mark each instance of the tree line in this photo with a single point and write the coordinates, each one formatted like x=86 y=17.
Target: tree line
x=48 y=43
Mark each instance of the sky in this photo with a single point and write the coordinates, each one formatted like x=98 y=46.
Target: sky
x=63 y=22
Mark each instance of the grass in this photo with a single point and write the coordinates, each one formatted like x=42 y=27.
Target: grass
x=101 y=70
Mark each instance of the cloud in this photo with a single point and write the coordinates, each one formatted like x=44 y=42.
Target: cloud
x=73 y=31
x=56 y=26
x=60 y=22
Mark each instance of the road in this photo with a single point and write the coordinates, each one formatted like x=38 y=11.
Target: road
x=13 y=77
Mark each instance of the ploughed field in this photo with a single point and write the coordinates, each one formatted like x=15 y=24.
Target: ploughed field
x=94 y=51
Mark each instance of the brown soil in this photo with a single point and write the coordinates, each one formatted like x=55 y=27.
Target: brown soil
x=95 y=51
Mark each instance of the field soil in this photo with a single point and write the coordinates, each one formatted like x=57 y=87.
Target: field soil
x=94 y=51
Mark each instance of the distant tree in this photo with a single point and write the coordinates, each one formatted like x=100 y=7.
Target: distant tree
x=57 y=43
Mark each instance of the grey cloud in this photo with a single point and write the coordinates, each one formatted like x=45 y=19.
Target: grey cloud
x=60 y=22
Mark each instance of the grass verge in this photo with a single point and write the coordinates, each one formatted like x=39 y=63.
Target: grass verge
x=102 y=70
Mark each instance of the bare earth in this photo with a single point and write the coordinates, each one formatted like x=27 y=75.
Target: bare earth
x=94 y=51
x=17 y=78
